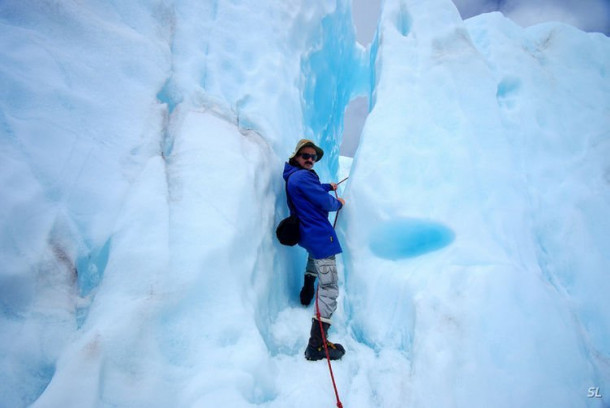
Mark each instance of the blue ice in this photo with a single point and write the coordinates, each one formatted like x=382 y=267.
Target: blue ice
x=408 y=238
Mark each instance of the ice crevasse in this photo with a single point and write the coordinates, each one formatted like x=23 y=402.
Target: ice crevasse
x=142 y=145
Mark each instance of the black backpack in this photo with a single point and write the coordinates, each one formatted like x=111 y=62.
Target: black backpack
x=287 y=231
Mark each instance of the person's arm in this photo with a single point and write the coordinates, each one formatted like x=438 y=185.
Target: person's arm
x=317 y=193
x=329 y=186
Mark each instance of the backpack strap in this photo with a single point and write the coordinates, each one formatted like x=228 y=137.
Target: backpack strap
x=293 y=209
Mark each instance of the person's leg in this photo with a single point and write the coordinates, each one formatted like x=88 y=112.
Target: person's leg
x=315 y=346
x=328 y=288
x=328 y=291
x=307 y=291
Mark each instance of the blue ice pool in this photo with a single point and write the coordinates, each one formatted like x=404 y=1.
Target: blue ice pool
x=408 y=238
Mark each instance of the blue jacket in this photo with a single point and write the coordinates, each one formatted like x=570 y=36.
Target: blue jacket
x=312 y=204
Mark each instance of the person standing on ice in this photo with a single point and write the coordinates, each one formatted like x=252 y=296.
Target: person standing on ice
x=312 y=203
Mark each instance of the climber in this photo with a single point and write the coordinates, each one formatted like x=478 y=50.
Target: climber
x=312 y=203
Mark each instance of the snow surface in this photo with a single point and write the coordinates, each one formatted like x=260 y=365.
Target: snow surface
x=141 y=152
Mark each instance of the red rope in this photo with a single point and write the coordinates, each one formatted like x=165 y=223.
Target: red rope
x=330 y=368
x=319 y=317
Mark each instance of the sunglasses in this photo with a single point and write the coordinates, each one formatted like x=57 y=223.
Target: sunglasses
x=309 y=156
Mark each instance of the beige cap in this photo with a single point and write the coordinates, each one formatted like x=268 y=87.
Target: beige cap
x=307 y=143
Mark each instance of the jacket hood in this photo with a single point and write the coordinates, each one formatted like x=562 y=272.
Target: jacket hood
x=288 y=170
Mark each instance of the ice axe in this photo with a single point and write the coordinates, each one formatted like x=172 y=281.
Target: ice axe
x=337 y=196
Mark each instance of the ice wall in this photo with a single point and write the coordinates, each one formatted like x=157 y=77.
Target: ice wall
x=499 y=136
x=79 y=122
x=334 y=71
x=142 y=148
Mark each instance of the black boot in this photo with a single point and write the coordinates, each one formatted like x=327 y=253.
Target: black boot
x=308 y=290
x=315 y=348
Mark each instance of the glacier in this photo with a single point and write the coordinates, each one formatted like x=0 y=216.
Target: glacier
x=142 y=145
